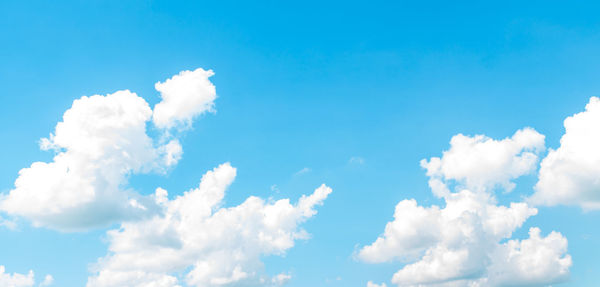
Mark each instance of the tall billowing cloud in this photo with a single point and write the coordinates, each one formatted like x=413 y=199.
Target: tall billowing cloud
x=571 y=174
x=21 y=280
x=465 y=242
x=99 y=143
x=198 y=241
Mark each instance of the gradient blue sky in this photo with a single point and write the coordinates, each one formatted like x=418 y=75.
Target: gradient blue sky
x=304 y=85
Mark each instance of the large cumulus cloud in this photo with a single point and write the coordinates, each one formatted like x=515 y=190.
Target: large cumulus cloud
x=468 y=241
x=190 y=240
x=100 y=141
x=570 y=174
x=197 y=241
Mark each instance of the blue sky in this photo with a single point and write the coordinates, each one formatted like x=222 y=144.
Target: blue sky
x=304 y=87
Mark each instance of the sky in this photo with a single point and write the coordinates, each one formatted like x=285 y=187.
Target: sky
x=180 y=143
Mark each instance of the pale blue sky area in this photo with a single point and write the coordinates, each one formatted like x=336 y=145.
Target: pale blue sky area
x=304 y=85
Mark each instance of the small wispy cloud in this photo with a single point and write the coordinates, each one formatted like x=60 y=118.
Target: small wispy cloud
x=275 y=188
x=303 y=171
x=356 y=160
x=328 y=280
x=10 y=224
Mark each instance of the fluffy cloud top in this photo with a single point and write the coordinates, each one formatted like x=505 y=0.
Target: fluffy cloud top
x=21 y=280
x=461 y=243
x=207 y=244
x=571 y=174
x=479 y=162
x=99 y=143
x=184 y=96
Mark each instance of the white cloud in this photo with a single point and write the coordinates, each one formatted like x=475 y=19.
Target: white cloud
x=172 y=152
x=303 y=171
x=274 y=188
x=48 y=280
x=15 y=279
x=371 y=284
x=281 y=279
x=21 y=280
x=460 y=244
x=356 y=160
x=184 y=96
x=571 y=174
x=480 y=162
x=534 y=261
x=198 y=241
x=99 y=143
x=10 y=224
x=462 y=240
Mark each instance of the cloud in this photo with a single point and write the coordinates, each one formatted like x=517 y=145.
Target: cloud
x=100 y=142
x=303 y=171
x=570 y=174
x=468 y=241
x=198 y=241
x=184 y=96
x=462 y=240
x=534 y=261
x=274 y=188
x=480 y=162
x=281 y=279
x=10 y=224
x=21 y=280
x=48 y=280
x=172 y=152
x=371 y=284
x=356 y=160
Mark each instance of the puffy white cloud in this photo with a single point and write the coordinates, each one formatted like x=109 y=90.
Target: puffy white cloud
x=48 y=280
x=467 y=215
x=480 y=162
x=571 y=174
x=198 y=241
x=461 y=244
x=193 y=239
x=281 y=279
x=172 y=152
x=21 y=280
x=99 y=143
x=15 y=279
x=534 y=261
x=184 y=96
